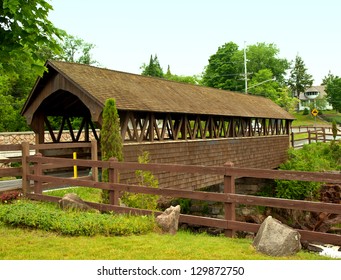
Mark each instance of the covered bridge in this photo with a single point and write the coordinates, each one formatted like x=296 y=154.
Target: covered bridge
x=174 y=122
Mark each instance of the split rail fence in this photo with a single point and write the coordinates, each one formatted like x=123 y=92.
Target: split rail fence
x=308 y=135
x=33 y=168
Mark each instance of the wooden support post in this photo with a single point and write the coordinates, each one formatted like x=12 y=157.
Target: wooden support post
x=38 y=171
x=94 y=156
x=113 y=178
x=229 y=208
x=25 y=151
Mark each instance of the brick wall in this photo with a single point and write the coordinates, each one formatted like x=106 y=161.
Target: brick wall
x=263 y=152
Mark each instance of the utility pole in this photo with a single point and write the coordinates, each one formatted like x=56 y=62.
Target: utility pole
x=245 y=67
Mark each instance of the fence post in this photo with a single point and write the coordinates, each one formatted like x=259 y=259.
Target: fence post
x=324 y=134
x=94 y=156
x=25 y=152
x=113 y=178
x=229 y=208
x=309 y=137
x=38 y=171
x=292 y=139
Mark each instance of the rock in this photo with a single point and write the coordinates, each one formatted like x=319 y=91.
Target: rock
x=73 y=201
x=276 y=239
x=169 y=220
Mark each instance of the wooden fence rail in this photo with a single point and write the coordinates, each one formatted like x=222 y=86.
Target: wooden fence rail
x=312 y=134
x=229 y=198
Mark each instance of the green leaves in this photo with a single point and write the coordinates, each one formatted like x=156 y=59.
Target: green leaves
x=48 y=217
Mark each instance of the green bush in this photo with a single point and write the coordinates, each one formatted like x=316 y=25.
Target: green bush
x=305 y=112
x=147 y=179
x=48 y=217
x=317 y=157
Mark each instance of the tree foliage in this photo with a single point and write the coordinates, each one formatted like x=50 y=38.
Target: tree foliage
x=299 y=79
x=27 y=39
x=182 y=79
x=111 y=141
x=333 y=90
x=24 y=31
x=153 y=69
x=226 y=67
x=75 y=49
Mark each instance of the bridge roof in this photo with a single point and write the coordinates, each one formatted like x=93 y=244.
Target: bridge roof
x=140 y=93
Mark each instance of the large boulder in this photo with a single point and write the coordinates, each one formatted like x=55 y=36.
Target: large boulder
x=169 y=220
x=73 y=201
x=276 y=239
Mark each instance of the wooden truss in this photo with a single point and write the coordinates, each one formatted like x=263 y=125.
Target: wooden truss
x=82 y=132
x=139 y=127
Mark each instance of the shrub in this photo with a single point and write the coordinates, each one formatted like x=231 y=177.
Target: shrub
x=48 y=217
x=317 y=157
x=305 y=112
x=147 y=179
x=9 y=197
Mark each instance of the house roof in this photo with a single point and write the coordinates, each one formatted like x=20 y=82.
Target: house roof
x=140 y=93
x=320 y=89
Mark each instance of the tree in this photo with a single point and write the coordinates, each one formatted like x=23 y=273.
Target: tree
x=182 y=79
x=111 y=141
x=24 y=31
x=76 y=50
x=27 y=39
x=263 y=84
x=333 y=90
x=299 y=79
x=226 y=68
x=153 y=69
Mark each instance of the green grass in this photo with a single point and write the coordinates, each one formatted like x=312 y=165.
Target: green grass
x=87 y=194
x=306 y=120
x=24 y=244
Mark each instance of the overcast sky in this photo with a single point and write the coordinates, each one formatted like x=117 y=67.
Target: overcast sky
x=185 y=33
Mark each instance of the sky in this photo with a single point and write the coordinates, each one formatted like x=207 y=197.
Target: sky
x=185 y=33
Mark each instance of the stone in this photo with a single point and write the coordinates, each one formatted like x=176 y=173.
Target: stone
x=73 y=201
x=276 y=239
x=169 y=220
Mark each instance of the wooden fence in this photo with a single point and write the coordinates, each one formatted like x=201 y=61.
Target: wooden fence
x=308 y=135
x=33 y=167
x=229 y=198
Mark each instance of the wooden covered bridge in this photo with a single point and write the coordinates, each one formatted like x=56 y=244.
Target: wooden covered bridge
x=174 y=122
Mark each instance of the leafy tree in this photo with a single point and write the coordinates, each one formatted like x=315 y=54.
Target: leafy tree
x=27 y=37
x=299 y=79
x=263 y=84
x=153 y=69
x=224 y=69
x=75 y=49
x=183 y=79
x=24 y=30
x=265 y=56
x=333 y=90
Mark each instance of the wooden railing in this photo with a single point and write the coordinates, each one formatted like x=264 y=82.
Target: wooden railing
x=13 y=158
x=229 y=198
x=308 y=135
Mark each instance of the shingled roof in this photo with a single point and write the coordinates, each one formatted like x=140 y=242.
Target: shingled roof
x=140 y=93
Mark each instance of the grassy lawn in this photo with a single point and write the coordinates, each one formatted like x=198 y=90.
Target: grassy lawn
x=24 y=244
x=307 y=120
